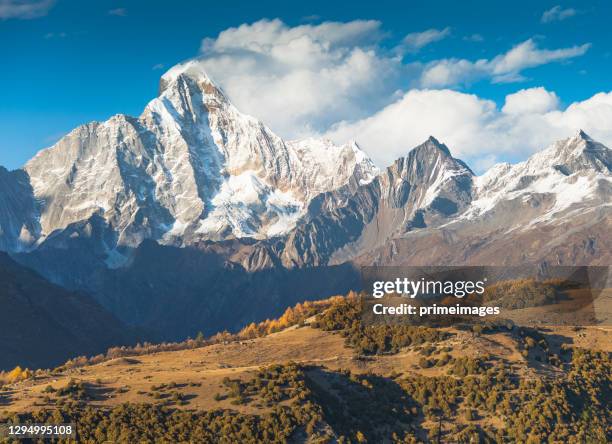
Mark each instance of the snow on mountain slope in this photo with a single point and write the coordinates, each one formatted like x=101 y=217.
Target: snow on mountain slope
x=323 y=155
x=429 y=208
x=190 y=167
x=574 y=171
x=193 y=168
x=423 y=189
x=554 y=208
x=18 y=211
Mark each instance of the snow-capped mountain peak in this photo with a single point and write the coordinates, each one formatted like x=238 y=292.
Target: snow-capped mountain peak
x=570 y=171
x=191 y=167
x=429 y=179
x=574 y=154
x=191 y=69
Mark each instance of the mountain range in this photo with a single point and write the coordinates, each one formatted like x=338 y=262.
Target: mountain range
x=195 y=216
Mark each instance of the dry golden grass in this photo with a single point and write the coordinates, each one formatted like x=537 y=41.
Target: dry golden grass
x=198 y=373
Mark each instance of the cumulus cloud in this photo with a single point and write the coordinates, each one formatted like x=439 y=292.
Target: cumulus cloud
x=557 y=13
x=529 y=101
x=337 y=80
x=453 y=117
x=415 y=41
x=304 y=78
x=475 y=129
x=301 y=80
x=24 y=9
x=505 y=67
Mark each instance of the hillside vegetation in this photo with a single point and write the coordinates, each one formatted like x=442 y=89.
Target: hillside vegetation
x=317 y=375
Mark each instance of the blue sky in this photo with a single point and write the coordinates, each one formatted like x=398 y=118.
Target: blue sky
x=65 y=63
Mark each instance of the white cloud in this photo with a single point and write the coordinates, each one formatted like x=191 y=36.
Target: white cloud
x=527 y=55
x=451 y=116
x=531 y=101
x=415 y=41
x=505 y=67
x=474 y=128
x=24 y=9
x=304 y=78
x=447 y=72
x=557 y=13
x=337 y=80
x=264 y=35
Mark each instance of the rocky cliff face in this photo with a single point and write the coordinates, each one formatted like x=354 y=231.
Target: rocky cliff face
x=555 y=207
x=18 y=211
x=421 y=190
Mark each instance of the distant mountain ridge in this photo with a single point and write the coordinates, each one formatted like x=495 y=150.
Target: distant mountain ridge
x=429 y=208
x=44 y=325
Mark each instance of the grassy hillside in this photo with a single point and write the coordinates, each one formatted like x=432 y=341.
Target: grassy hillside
x=317 y=375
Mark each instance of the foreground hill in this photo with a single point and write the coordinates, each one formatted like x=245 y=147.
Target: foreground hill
x=328 y=379
x=43 y=324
